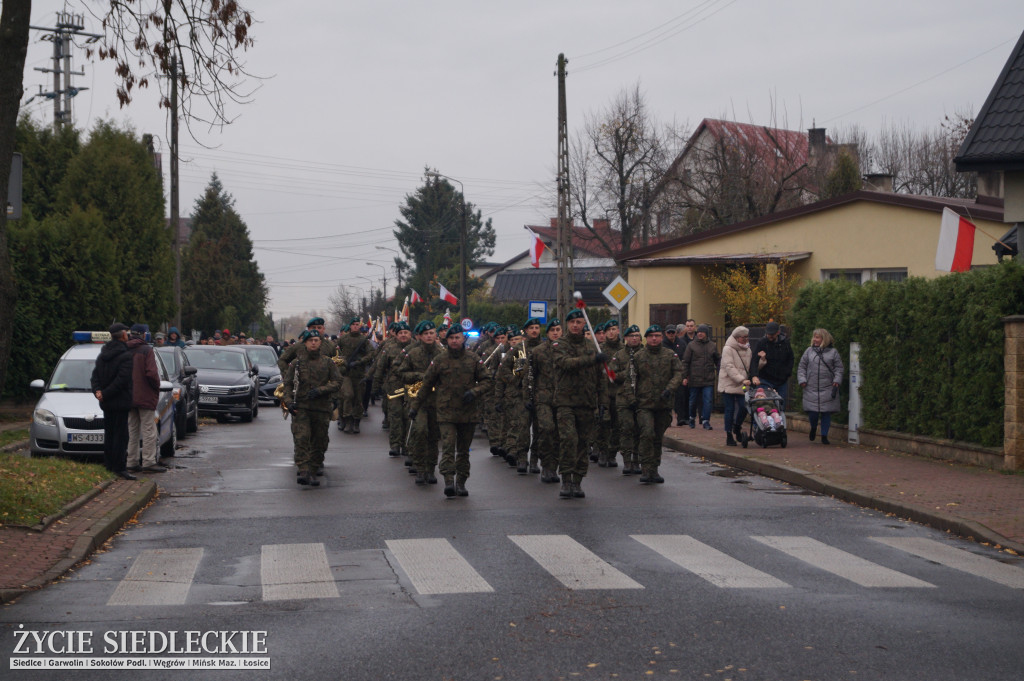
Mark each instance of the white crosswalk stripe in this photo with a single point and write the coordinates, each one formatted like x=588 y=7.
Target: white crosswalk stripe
x=296 y=571
x=708 y=563
x=435 y=567
x=958 y=559
x=571 y=563
x=841 y=563
x=158 y=577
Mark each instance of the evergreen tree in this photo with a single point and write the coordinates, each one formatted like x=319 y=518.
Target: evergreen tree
x=844 y=177
x=222 y=285
x=428 y=236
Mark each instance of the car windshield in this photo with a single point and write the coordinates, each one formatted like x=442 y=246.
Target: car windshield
x=262 y=356
x=72 y=374
x=170 y=361
x=217 y=359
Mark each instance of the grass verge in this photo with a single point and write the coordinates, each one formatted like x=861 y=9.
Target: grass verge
x=9 y=436
x=31 y=489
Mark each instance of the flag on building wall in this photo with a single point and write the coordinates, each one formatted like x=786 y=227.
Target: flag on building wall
x=956 y=243
x=536 y=249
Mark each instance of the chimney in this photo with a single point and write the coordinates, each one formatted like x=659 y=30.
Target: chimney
x=878 y=182
x=601 y=224
x=816 y=142
x=554 y=223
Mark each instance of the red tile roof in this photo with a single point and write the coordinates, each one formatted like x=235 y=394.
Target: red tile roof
x=584 y=241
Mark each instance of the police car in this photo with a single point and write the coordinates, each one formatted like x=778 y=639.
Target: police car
x=68 y=421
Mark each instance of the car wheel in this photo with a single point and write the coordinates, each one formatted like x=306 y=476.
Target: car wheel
x=168 y=447
x=247 y=416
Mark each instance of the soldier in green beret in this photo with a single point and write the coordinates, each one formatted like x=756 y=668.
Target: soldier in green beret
x=544 y=378
x=386 y=379
x=492 y=416
x=327 y=346
x=624 y=365
x=608 y=425
x=659 y=373
x=424 y=433
x=457 y=381
x=354 y=351
x=310 y=383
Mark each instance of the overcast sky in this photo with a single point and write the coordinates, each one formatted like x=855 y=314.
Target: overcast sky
x=359 y=96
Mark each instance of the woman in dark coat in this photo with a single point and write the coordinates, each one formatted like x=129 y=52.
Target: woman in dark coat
x=820 y=373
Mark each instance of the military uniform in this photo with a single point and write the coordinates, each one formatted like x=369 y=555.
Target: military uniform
x=659 y=373
x=608 y=424
x=546 y=429
x=424 y=435
x=310 y=382
x=290 y=352
x=624 y=365
x=386 y=379
x=355 y=351
x=457 y=381
x=580 y=389
x=493 y=414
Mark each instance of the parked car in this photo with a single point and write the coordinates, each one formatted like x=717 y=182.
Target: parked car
x=68 y=421
x=265 y=358
x=228 y=384
x=186 y=388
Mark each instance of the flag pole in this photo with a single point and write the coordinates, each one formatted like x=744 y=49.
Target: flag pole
x=973 y=222
x=527 y=228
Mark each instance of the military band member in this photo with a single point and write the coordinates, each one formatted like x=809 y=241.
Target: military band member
x=310 y=382
x=659 y=373
x=608 y=426
x=492 y=413
x=547 y=431
x=624 y=365
x=580 y=383
x=424 y=433
x=327 y=346
x=508 y=399
x=375 y=370
x=386 y=379
x=457 y=381
x=355 y=352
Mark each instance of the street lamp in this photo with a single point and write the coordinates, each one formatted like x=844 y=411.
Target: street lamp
x=463 y=303
x=398 y=272
x=383 y=277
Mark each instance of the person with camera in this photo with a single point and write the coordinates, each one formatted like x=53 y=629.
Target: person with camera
x=820 y=373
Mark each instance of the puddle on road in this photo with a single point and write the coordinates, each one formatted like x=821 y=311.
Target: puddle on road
x=736 y=473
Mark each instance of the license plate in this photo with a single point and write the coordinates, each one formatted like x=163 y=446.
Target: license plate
x=85 y=438
x=208 y=399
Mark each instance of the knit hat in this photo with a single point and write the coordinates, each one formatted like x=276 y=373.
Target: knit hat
x=740 y=331
x=705 y=329
x=139 y=329
x=116 y=328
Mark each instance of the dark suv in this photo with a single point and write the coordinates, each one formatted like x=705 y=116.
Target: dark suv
x=228 y=384
x=265 y=358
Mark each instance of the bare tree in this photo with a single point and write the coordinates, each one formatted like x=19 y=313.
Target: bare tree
x=343 y=305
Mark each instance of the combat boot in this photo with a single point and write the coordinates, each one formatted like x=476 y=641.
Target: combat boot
x=566 y=490
x=602 y=459
x=577 y=487
x=636 y=464
x=460 y=487
x=521 y=464
x=392 y=452
x=612 y=463
x=344 y=424
x=430 y=477
x=627 y=467
x=313 y=482
x=355 y=424
x=449 y=485
x=534 y=467
x=645 y=475
x=385 y=424
x=655 y=476
x=303 y=478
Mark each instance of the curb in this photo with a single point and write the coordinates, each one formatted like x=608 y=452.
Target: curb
x=968 y=529
x=90 y=540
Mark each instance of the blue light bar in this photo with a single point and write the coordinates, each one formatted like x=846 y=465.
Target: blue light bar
x=472 y=334
x=90 y=336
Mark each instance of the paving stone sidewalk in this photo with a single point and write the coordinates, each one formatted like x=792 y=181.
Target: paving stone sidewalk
x=974 y=502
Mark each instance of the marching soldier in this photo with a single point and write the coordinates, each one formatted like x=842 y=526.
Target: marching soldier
x=355 y=353
x=424 y=433
x=375 y=371
x=608 y=426
x=580 y=389
x=327 y=346
x=492 y=415
x=509 y=401
x=310 y=382
x=624 y=365
x=659 y=373
x=547 y=431
x=386 y=378
x=456 y=380
x=531 y=341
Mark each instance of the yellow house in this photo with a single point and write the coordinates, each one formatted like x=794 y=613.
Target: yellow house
x=865 y=235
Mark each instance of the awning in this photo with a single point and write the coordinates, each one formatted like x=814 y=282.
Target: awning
x=722 y=259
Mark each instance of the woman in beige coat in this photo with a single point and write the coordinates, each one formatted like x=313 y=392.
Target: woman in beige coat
x=733 y=377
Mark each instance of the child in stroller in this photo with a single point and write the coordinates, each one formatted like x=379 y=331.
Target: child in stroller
x=767 y=417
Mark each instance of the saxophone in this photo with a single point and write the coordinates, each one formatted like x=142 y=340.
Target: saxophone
x=521 y=361
x=412 y=390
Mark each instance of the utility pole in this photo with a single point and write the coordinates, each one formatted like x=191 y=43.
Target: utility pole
x=175 y=209
x=68 y=25
x=564 y=252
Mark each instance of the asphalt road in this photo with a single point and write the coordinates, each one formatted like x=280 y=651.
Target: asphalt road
x=713 y=574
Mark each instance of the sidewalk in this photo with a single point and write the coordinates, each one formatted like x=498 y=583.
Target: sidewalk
x=974 y=502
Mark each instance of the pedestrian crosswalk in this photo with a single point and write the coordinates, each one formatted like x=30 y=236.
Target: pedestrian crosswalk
x=438 y=567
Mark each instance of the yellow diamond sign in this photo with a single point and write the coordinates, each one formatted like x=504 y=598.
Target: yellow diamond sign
x=619 y=292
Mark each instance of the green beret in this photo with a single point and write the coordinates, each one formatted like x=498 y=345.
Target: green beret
x=532 y=321
x=553 y=323
x=309 y=333
x=401 y=326
x=575 y=314
x=633 y=328
x=425 y=325
x=455 y=329
x=315 y=321
x=610 y=323
x=653 y=328
x=500 y=330
x=355 y=320
x=513 y=331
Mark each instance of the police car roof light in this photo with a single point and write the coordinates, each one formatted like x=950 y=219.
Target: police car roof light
x=90 y=336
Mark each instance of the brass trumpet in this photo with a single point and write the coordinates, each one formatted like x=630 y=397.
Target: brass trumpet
x=394 y=395
x=413 y=390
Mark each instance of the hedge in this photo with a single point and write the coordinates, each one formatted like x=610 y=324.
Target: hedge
x=931 y=350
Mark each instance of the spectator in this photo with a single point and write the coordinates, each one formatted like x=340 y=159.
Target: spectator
x=684 y=334
x=777 y=365
x=174 y=338
x=145 y=394
x=112 y=384
x=159 y=340
x=669 y=340
x=733 y=379
x=700 y=367
x=820 y=373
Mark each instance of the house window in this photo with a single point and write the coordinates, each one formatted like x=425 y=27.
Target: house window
x=849 y=275
x=667 y=314
x=860 y=276
x=891 y=275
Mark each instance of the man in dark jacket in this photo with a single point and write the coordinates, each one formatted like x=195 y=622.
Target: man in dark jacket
x=145 y=394
x=112 y=385
x=700 y=370
x=684 y=334
x=778 y=355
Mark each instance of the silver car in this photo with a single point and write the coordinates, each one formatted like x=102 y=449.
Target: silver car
x=68 y=421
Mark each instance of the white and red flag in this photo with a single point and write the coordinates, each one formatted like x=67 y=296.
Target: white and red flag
x=416 y=298
x=956 y=243
x=405 y=311
x=536 y=249
x=448 y=316
x=448 y=296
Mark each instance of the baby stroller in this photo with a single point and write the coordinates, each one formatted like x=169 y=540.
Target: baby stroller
x=767 y=417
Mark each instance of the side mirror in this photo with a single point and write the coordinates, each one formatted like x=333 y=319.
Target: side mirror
x=191 y=371
x=37 y=384
x=166 y=387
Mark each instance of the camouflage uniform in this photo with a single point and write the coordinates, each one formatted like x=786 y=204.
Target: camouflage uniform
x=386 y=378
x=313 y=418
x=512 y=391
x=546 y=430
x=327 y=349
x=580 y=389
x=493 y=419
x=449 y=377
x=608 y=425
x=425 y=434
x=658 y=371
x=624 y=366
x=355 y=350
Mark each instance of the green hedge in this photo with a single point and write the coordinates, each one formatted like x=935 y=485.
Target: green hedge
x=931 y=350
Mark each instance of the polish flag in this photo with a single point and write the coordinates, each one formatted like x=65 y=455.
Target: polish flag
x=536 y=249
x=415 y=297
x=956 y=243
x=447 y=296
x=448 y=316
x=405 y=311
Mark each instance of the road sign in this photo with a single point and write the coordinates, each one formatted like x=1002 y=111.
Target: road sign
x=539 y=309
x=466 y=324
x=619 y=292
